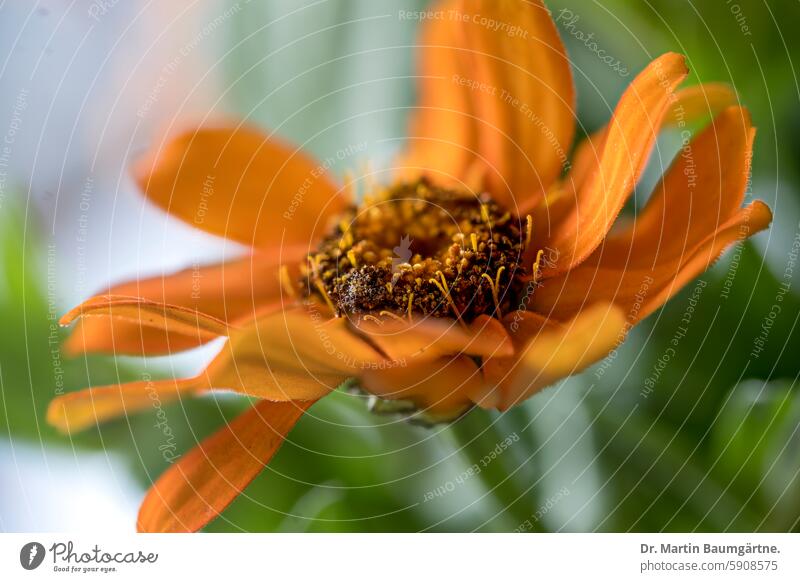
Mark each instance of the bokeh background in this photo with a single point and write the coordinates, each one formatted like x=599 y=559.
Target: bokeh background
x=700 y=438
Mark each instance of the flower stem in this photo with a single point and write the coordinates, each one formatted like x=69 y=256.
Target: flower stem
x=485 y=445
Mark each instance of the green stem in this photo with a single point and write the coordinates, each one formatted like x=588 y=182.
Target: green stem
x=479 y=439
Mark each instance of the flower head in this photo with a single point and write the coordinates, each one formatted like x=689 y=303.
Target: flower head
x=484 y=271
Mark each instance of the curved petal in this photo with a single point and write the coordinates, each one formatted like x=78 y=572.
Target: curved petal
x=431 y=338
x=496 y=98
x=443 y=385
x=148 y=313
x=228 y=291
x=238 y=183
x=279 y=357
x=691 y=104
x=747 y=222
x=549 y=352
x=197 y=488
x=695 y=209
x=80 y=410
x=703 y=188
x=700 y=101
x=296 y=354
x=640 y=288
x=575 y=226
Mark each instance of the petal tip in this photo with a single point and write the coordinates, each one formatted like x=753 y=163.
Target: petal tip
x=760 y=216
x=56 y=416
x=676 y=59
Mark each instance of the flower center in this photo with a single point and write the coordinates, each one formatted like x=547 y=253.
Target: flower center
x=418 y=249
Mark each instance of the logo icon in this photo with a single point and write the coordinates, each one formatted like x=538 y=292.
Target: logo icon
x=402 y=253
x=31 y=555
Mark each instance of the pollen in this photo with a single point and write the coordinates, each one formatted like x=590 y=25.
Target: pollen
x=419 y=249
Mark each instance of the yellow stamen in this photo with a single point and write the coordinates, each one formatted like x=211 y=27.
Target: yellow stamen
x=495 y=287
x=393 y=316
x=495 y=297
x=389 y=287
x=497 y=277
x=346 y=240
x=372 y=318
x=351 y=255
x=497 y=290
x=312 y=265
x=485 y=214
x=347 y=237
x=528 y=230
x=474 y=238
x=445 y=291
x=537 y=264
x=321 y=288
x=410 y=305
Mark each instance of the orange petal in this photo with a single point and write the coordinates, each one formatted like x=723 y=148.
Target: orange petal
x=197 y=488
x=574 y=227
x=280 y=356
x=430 y=338
x=297 y=354
x=79 y=410
x=700 y=101
x=227 y=291
x=692 y=209
x=691 y=104
x=442 y=130
x=146 y=313
x=703 y=188
x=238 y=183
x=549 y=352
x=747 y=222
x=442 y=385
x=505 y=85
x=641 y=288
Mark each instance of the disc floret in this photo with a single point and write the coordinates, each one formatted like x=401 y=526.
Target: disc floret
x=420 y=249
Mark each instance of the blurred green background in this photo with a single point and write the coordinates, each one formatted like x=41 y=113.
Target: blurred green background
x=708 y=442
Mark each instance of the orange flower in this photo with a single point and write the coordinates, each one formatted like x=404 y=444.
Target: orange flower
x=486 y=271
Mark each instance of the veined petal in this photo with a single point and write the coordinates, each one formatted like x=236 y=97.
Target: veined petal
x=700 y=101
x=146 y=313
x=703 y=188
x=576 y=226
x=548 y=352
x=692 y=211
x=641 y=288
x=196 y=489
x=430 y=338
x=691 y=104
x=443 y=129
x=279 y=357
x=297 y=354
x=748 y=221
x=442 y=385
x=228 y=291
x=238 y=183
x=503 y=88
x=79 y=410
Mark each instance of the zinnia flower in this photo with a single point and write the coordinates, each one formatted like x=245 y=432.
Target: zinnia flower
x=486 y=269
